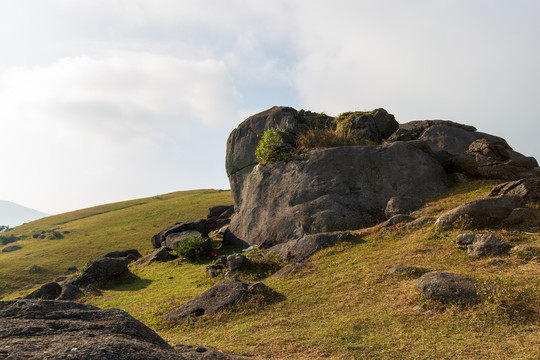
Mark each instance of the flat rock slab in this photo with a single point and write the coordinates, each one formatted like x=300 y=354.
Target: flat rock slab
x=527 y=189
x=34 y=329
x=161 y=254
x=485 y=212
x=448 y=288
x=299 y=250
x=102 y=270
x=290 y=269
x=11 y=248
x=210 y=302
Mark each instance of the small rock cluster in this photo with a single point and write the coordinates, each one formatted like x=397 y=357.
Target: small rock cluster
x=227 y=265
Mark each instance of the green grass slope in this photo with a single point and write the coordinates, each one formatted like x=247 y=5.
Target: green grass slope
x=346 y=305
x=96 y=231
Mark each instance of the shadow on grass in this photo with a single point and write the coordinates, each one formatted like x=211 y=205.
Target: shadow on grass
x=127 y=282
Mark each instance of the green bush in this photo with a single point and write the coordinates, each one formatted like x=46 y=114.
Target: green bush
x=194 y=247
x=266 y=149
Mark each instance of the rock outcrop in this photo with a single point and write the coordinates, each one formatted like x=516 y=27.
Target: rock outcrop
x=34 y=329
x=331 y=189
x=349 y=187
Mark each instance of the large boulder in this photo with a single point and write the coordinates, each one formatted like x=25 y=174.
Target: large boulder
x=481 y=244
x=448 y=288
x=485 y=212
x=34 y=329
x=132 y=254
x=330 y=189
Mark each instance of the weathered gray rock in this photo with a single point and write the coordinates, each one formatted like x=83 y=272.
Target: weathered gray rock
x=481 y=244
x=203 y=226
x=172 y=240
x=34 y=268
x=214 y=270
x=448 y=288
x=101 y=271
x=528 y=189
x=70 y=292
x=397 y=219
x=423 y=220
x=235 y=261
x=331 y=189
x=527 y=251
x=290 y=269
x=452 y=139
x=59 y=330
x=372 y=126
x=71 y=270
x=132 y=254
x=519 y=215
x=414 y=129
x=161 y=254
x=485 y=212
x=215 y=299
x=11 y=248
x=220 y=211
x=48 y=291
x=299 y=250
x=402 y=205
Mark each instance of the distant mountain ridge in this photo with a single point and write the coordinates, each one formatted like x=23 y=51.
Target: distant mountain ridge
x=14 y=214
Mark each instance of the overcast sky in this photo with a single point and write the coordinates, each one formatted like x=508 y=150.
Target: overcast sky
x=109 y=100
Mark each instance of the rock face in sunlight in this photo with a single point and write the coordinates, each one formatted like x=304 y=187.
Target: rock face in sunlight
x=336 y=188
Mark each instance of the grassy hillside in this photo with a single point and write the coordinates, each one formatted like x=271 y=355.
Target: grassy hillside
x=345 y=305
x=96 y=231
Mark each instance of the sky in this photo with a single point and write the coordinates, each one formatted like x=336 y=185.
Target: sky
x=110 y=100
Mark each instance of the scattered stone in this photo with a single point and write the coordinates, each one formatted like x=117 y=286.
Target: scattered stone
x=421 y=310
x=132 y=254
x=161 y=254
x=299 y=250
x=48 y=291
x=60 y=279
x=398 y=205
x=528 y=189
x=34 y=269
x=11 y=248
x=101 y=271
x=487 y=244
x=289 y=269
x=214 y=270
x=481 y=244
x=257 y=287
x=448 y=288
x=218 y=297
x=11 y=239
x=71 y=270
x=91 y=289
x=203 y=353
x=235 y=261
x=485 y=212
x=70 y=292
x=396 y=219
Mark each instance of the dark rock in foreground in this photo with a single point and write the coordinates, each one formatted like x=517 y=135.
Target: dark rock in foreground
x=448 y=288
x=34 y=329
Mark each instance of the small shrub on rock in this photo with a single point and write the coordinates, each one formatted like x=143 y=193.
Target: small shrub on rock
x=269 y=149
x=193 y=247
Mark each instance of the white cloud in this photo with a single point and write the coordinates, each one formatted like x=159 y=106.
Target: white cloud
x=84 y=118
